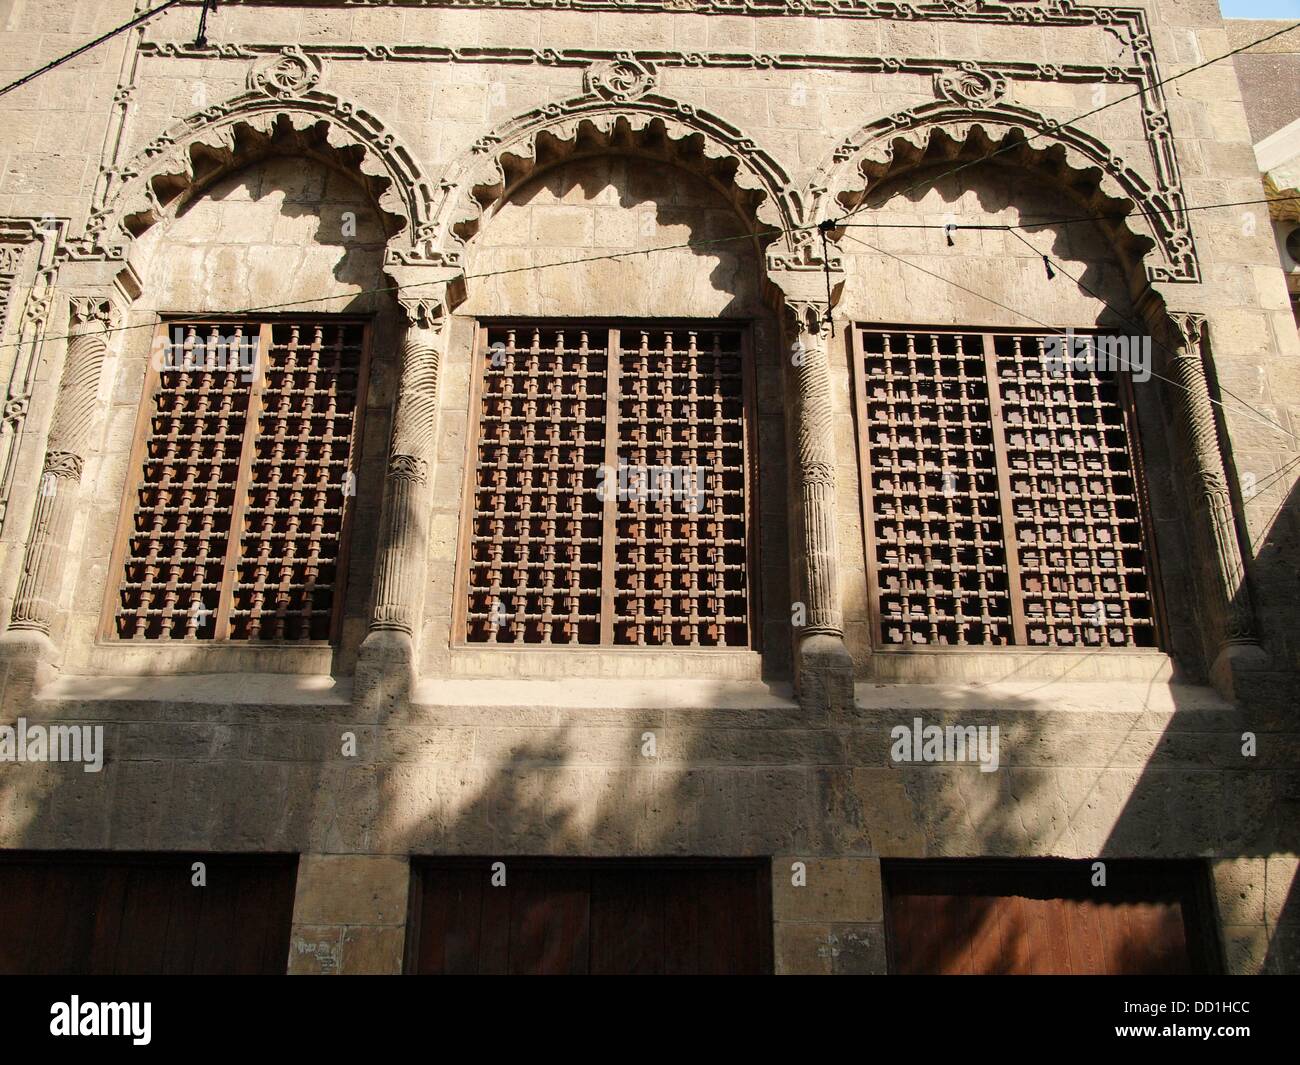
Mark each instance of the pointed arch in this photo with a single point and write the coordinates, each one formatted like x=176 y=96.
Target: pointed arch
x=181 y=163
x=1098 y=180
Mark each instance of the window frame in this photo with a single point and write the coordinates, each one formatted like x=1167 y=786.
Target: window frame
x=613 y=327
x=866 y=494
x=145 y=411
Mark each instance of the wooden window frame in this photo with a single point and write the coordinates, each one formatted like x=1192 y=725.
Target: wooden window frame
x=135 y=465
x=1132 y=432
x=613 y=328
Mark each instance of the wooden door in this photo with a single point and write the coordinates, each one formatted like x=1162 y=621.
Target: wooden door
x=591 y=917
x=100 y=914
x=1045 y=916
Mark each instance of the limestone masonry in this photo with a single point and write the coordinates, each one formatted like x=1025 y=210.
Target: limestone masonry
x=391 y=615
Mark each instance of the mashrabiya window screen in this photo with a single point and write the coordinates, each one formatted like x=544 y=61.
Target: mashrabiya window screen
x=239 y=525
x=609 y=496
x=1002 y=503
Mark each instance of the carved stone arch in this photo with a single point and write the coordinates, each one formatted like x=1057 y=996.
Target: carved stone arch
x=649 y=126
x=1099 y=181
x=181 y=163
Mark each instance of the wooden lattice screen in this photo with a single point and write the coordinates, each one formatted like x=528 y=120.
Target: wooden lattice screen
x=237 y=529
x=1003 y=515
x=608 y=498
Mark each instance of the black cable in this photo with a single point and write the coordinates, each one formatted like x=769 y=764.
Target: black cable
x=1129 y=320
x=1087 y=114
x=143 y=17
x=612 y=256
x=954 y=226
x=1053 y=330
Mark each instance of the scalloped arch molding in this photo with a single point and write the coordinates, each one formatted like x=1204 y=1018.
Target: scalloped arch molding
x=1065 y=158
x=185 y=160
x=620 y=113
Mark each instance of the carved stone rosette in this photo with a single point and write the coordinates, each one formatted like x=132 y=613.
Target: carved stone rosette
x=1223 y=570
x=400 y=563
x=47 y=545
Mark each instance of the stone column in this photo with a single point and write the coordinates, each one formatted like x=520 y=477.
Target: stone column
x=1221 y=573
x=823 y=667
x=387 y=656
x=98 y=293
x=45 y=563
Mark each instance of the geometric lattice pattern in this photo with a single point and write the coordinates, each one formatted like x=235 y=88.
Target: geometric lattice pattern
x=1075 y=499
x=239 y=526
x=609 y=488
x=997 y=516
x=535 y=542
x=680 y=564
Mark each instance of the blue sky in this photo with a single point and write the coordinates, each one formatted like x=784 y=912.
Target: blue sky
x=1260 y=8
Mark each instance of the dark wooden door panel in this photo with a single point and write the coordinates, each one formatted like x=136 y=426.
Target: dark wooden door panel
x=1044 y=916
x=140 y=914
x=592 y=916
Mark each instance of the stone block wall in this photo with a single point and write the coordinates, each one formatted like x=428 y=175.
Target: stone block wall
x=542 y=160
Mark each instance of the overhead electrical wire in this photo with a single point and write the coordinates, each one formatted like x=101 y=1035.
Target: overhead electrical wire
x=144 y=16
x=841 y=222
x=769 y=233
x=1086 y=114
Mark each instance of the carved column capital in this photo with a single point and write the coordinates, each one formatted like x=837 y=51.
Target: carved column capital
x=408 y=468
x=1184 y=334
x=423 y=311
x=93 y=314
x=64 y=465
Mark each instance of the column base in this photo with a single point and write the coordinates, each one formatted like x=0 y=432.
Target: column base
x=1234 y=665
x=824 y=675
x=29 y=660
x=386 y=671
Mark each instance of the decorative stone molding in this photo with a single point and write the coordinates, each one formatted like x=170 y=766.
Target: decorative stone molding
x=1020 y=138
x=1043 y=13
x=292 y=73
x=967 y=90
x=27 y=254
x=654 y=126
x=17 y=236
x=284 y=115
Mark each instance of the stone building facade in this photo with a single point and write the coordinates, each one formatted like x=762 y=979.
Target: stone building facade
x=450 y=178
